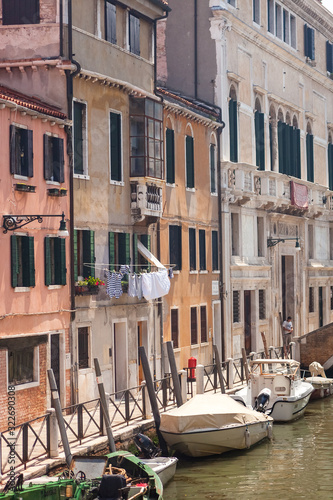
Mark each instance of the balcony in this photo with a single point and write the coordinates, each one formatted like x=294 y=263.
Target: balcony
x=146 y=201
x=244 y=184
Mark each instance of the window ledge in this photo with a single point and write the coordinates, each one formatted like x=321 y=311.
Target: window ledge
x=81 y=176
x=195 y=346
x=203 y=271
x=29 y=385
x=117 y=183
x=21 y=177
x=204 y=344
x=55 y=183
x=176 y=272
x=191 y=190
x=55 y=287
x=171 y=184
x=177 y=349
x=216 y=271
x=213 y=194
x=85 y=371
x=22 y=289
x=194 y=272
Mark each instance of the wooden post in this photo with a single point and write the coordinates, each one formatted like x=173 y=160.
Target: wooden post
x=152 y=397
x=246 y=367
x=174 y=374
x=104 y=405
x=219 y=368
x=60 y=417
x=265 y=344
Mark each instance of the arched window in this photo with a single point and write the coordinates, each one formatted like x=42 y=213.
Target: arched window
x=289 y=140
x=233 y=125
x=259 y=126
x=189 y=157
x=309 y=153
x=330 y=161
x=212 y=163
x=170 y=152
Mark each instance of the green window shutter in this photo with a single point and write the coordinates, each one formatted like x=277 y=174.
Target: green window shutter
x=212 y=169
x=28 y=261
x=259 y=125
x=330 y=166
x=202 y=249
x=189 y=162
x=128 y=249
x=76 y=273
x=233 y=132
x=88 y=240
x=306 y=43
x=78 y=137
x=287 y=148
x=61 y=157
x=215 y=257
x=14 y=260
x=281 y=127
x=115 y=146
x=12 y=146
x=298 y=153
x=30 y=155
x=145 y=240
x=48 y=167
x=135 y=251
x=47 y=260
x=60 y=261
x=111 y=251
x=170 y=156
x=192 y=249
x=309 y=157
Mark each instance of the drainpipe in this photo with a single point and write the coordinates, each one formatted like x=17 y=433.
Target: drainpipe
x=61 y=41
x=196 y=49
x=219 y=134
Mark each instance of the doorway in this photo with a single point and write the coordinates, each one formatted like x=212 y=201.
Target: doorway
x=142 y=341
x=120 y=361
x=55 y=359
x=320 y=308
x=288 y=286
x=247 y=321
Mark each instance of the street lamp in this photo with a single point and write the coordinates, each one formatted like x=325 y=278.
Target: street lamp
x=12 y=222
x=271 y=242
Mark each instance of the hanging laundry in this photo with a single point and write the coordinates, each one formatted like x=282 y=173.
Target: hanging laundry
x=155 y=285
x=132 y=290
x=138 y=282
x=124 y=269
x=113 y=285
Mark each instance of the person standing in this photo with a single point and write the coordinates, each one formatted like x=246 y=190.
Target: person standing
x=287 y=330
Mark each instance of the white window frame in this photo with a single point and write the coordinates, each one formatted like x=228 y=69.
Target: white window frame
x=117 y=112
x=85 y=174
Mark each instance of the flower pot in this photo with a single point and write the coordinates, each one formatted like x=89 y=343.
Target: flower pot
x=27 y=188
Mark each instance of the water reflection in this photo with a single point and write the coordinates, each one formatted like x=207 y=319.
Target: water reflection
x=298 y=463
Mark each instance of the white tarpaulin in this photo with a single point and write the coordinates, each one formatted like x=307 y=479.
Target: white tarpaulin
x=149 y=256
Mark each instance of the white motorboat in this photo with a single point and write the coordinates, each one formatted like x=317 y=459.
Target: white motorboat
x=323 y=387
x=289 y=393
x=165 y=467
x=210 y=424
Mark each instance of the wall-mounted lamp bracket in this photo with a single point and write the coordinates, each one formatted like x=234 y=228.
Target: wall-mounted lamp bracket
x=12 y=222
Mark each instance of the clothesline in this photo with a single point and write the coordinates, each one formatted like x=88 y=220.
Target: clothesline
x=111 y=266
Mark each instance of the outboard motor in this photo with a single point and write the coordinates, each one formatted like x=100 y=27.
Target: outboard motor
x=146 y=446
x=262 y=400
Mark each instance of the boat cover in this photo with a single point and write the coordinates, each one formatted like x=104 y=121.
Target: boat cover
x=209 y=411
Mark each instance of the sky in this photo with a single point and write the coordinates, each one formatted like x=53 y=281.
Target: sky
x=328 y=4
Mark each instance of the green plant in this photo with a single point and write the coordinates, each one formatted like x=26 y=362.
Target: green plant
x=91 y=281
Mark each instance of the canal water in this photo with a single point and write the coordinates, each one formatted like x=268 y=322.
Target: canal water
x=297 y=464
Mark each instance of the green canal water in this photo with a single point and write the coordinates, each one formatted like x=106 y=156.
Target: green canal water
x=297 y=464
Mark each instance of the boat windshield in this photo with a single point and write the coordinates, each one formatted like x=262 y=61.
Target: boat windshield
x=269 y=367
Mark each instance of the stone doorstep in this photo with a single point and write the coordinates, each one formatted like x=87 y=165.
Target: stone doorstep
x=42 y=466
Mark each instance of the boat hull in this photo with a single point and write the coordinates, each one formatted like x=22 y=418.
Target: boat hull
x=323 y=387
x=288 y=410
x=205 y=442
x=165 y=467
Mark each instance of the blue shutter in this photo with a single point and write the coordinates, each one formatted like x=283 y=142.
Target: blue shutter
x=110 y=22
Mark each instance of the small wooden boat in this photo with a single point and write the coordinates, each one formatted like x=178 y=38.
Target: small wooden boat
x=165 y=467
x=210 y=424
x=118 y=475
x=323 y=387
x=289 y=394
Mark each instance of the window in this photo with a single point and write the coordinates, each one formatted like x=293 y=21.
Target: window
x=232 y=2
x=84 y=253
x=212 y=161
x=20 y=12
x=330 y=163
x=110 y=22
x=55 y=261
x=270 y=16
x=21 y=151
x=260 y=237
x=309 y=155
x=309 y=42
x=134 y=34
x=234 y=234
x=233 y=129
x=115 y=147
x=21 y=365
x=331 y=298
x=79 y=137
x=194 y=326
x=311 y=299
x=329 y=57
x=175 y=246
x=83 y=347
x=119 y=250
x=235 y=307
x=189 y=162
x=289 y=148
x=256 y=11
x=278 y=21
x=146 y=136
x=170 y=156
x=203 y=324
x=310 y=241
x=215 y=251
x=202 y=250
x=22 y=261
x=293 y=31
x=53 y=158
x=192 y=249
x=140 y=262
x=174 y=328
x=262 y=304
x=259 y=125
x=286 y=28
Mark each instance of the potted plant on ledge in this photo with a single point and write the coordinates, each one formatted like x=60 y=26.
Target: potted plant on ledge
x=88 y=286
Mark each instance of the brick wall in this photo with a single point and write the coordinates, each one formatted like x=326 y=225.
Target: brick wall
x=317 y=345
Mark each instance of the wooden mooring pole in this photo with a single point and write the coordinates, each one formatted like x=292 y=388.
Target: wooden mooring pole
x=174 y=374
x=219 y=368
x=104 y=405
x=246 y=367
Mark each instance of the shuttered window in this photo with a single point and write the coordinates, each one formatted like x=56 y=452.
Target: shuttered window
x=174 y=328
x=115 y=147
x=53 y=158
x=235 y=306
x=233 y=132
x=189 y=162
x=194 y=326
x=202 y=249
x=329 y=57
x=139 y=261
x=22 y=261
x=259 y=123
x=134 y=34
x=192 y=248
x=20 y=12
x=83 y=347
x=110 y=22
x=256 y=11
x=289 y=147
x=212 y=160
x=84 y=253
x=21 y=151
x=79 y=131
x=309 y=42
x=330 y=165
x=309 y=158
x=203 y=324
x=175 y=247
x=55 y=261
x=311 y=299
x=170 y=156
x=215 y=251
x=119 y=250
x=262 y=304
